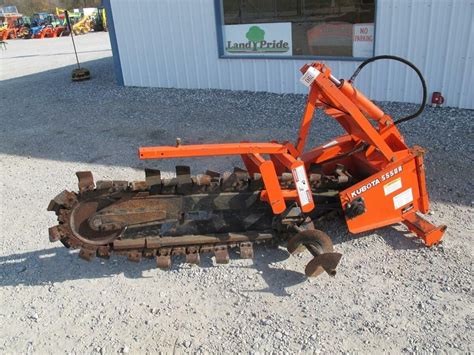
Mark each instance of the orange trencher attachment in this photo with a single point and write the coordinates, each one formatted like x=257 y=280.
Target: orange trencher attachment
x=389 y=176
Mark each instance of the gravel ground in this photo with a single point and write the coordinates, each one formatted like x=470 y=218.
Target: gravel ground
x=391 y=294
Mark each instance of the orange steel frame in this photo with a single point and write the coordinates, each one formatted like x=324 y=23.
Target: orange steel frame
x=377 y=154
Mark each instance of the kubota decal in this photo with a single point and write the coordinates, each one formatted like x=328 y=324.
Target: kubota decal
x=376 y=182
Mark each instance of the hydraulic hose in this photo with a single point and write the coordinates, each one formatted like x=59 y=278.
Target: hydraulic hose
x=411 y=65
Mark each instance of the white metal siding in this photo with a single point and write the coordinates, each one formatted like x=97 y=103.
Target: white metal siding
x=174 y=44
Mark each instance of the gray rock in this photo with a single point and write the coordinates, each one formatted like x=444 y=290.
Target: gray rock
x=187 y=343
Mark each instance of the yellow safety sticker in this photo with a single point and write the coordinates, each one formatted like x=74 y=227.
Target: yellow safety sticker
x=392 y=186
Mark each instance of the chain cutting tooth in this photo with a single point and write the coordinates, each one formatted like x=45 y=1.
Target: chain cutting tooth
x=202 y=180
x=185 y=183
x=178 y=251
x=239 y=170
x=246 y=250
x=65 y=198
x=149 y=253
x=64 y=216
x=228 y=181
x=139 y=185
x=152 y=177
x=183 y=170
x=87 y=254
x=236 y=181
x=104 y=184
x=61 y=232
x=201 y=183
x=163 y=258
x=120 y=185
x=242 y=174
x=215 y=181
x=53 y=206
x=86 y=181
x=134 y=255
x=192 y=255
x=103 y=252
x=65 y=242
x=72 y=242
x=206 y=248
x=168 y=186
x=213 y=174
x=55 y=233
x=222 y=254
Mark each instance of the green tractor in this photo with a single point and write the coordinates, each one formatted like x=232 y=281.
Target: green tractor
x=23 y=25
x=100 y=20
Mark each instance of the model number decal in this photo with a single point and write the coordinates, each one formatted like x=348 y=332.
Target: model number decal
x=376 y=181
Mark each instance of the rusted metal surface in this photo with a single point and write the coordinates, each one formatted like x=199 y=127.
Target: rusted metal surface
x=320 y=246
x=54 y=234
x=221 y=253
x=162 y=218
x=246 y=250
x=81 y=231
x=87 y=254
x=134 y=255
x=163 y=258
x=324 y=262
x=86 y=181
x=152 y=177
x=66 y=199
x=134 y=211
x=192 y=255
x=126 y=244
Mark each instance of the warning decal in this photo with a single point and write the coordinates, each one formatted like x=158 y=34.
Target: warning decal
x=403 y=198
x=392 y=186
x=302 y=185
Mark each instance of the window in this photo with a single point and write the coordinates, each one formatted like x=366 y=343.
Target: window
x=8 y=10
x=320 y=28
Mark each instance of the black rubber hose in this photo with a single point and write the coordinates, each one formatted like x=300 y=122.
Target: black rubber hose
x=411 y=65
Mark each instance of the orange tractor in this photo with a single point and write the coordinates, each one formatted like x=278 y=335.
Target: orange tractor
x=8 y=32
x=369 y=175
x=9 y=29
x=48 y=31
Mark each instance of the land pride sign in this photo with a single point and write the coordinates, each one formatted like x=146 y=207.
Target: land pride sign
x=263 y=39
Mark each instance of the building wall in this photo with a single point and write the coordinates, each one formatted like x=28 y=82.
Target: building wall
x=174 y=44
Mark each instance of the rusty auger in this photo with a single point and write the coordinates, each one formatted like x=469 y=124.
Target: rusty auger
x=369 y=175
